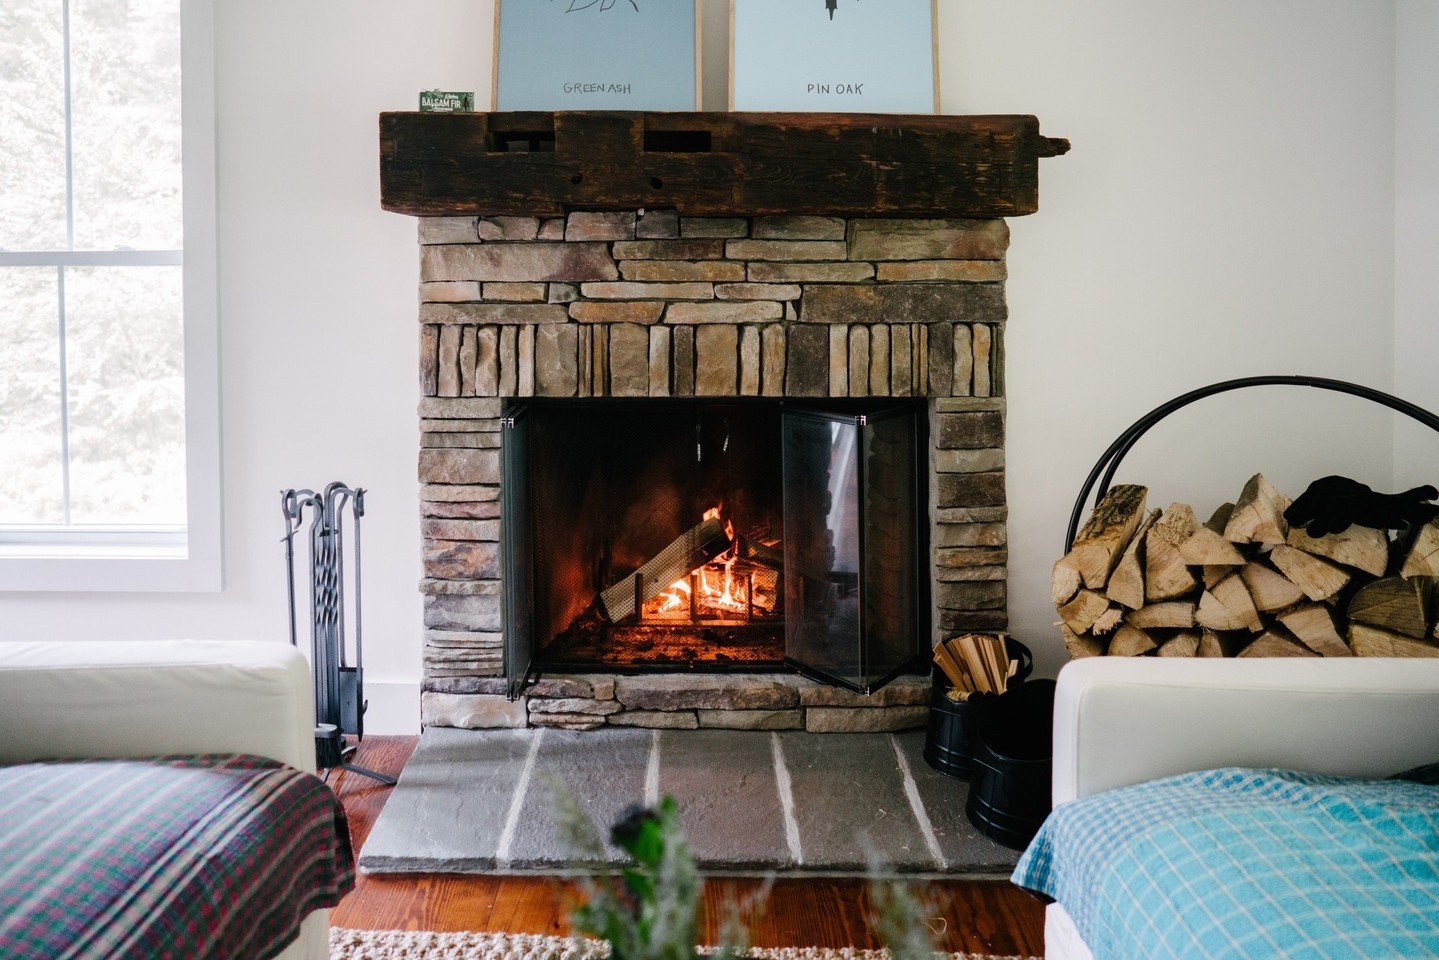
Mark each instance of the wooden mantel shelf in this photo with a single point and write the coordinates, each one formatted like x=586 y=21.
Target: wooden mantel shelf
x=712 y=164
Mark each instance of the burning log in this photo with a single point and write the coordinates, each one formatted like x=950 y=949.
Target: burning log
x=693 y=549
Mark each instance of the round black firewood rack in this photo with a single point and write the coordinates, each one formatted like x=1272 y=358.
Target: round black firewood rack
x=1109 y=462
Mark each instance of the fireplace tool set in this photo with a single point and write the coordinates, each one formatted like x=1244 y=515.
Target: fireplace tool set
x=339 y=686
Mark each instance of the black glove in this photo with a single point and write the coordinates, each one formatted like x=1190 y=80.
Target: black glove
x=1332 y=504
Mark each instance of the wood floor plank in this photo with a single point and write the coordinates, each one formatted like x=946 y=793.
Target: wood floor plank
x=980 y=916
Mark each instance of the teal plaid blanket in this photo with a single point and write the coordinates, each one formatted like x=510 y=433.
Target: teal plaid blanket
x=1246 y=865
x=198 y=858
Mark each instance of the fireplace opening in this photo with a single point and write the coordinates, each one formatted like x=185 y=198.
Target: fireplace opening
x=692 y=535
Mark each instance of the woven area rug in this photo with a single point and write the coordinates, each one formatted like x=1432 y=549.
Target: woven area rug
x=425 y=945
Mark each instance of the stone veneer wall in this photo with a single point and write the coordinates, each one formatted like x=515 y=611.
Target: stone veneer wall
x=650 y=304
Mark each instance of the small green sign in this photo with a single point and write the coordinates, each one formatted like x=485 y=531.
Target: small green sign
x=447 y=101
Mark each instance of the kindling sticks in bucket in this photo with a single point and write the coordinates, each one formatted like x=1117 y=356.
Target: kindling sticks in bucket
x=976 y=663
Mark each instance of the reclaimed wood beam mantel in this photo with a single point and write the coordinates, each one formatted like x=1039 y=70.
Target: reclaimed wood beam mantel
x=712 y=164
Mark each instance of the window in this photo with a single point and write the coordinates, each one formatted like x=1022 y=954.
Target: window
x=108 y=413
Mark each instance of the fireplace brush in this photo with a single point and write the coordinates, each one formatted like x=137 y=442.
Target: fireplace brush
x=339 y=686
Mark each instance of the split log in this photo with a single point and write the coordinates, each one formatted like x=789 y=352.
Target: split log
x=1209 y=549
x=1184 y=644
x=1107 y=621
x=1228 y=606
x=1126 y=583
x=1160 y=616
x=1423 y=559
x=1082 y=645
x=1270 y=589
x=1215 y=572
x=694 y=548
x=1367 y=641
x=1108 y=531
x=761 y=553
x=1395 y=604
x=1313 y=626
x=1276 y=643
x=1363 y=548
x=1258 y=515
x=1214 y=643
x=1130 y=641
x=1319 y=579
x=1166 y=576
x=1080 y=613
x=1065 y=581
x=1219 y=519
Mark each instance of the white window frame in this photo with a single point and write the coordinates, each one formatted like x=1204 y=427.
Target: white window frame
x=188 y=559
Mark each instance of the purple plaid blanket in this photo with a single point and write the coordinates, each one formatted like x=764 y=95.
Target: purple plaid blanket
x=190 y=858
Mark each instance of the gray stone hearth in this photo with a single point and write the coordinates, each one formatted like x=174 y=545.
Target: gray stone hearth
x=483 y=801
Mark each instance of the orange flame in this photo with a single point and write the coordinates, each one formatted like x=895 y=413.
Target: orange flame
x=717 y=590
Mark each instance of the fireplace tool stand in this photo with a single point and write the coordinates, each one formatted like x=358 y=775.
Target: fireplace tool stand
x=339 y=687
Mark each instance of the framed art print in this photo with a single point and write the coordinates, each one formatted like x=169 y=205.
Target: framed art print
x=834 y=56
x=596 y=55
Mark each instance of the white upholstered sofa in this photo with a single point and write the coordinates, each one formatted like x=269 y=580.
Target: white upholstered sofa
x=118 y=700
x=1120 y=721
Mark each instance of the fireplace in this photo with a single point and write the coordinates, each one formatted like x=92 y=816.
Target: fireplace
x=749 y=535
x=712 y=436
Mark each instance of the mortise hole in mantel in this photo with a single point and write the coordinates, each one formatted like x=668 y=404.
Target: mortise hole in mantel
x=520 y=141
x=657 y=183
x=678 y=141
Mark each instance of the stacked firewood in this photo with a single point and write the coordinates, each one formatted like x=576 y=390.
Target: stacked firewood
x=1243 y=583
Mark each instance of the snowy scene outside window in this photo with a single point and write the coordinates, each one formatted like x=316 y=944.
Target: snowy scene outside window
x=92 y=393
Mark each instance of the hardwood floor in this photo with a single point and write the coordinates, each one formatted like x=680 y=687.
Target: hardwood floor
x=978 y=916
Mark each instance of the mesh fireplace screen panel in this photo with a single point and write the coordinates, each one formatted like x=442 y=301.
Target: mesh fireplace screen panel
x=614 y=485
x=853 y=543
x=822 y=544
x=892 y=565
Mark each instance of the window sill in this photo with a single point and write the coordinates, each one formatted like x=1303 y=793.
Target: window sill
x=107 y=569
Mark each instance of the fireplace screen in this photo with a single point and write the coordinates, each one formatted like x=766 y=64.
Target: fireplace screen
x=712 y=535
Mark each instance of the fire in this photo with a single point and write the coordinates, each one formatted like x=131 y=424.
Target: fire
x=716 y=589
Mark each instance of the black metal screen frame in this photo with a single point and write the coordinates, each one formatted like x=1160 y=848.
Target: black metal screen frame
x=516 y=553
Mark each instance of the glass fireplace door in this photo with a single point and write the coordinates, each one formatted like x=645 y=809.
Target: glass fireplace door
x=852 y=545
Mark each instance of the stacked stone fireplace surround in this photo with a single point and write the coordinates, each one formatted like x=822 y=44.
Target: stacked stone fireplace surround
x=651 y=304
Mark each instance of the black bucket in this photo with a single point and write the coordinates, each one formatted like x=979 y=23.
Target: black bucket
x=949 y=741
x=1009 y=794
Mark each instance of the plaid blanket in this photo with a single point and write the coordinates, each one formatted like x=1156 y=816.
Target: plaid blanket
x=195 y=858
x=1238 y=864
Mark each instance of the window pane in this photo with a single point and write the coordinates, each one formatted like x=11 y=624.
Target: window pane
x=124 y=349
x=125 y=104
x=31 y=471
x=32 y=126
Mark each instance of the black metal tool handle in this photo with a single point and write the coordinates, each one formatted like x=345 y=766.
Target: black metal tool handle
x=1112 y=457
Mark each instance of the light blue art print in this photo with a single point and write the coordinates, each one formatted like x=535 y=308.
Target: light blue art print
x=840 y=56
x=596 y=55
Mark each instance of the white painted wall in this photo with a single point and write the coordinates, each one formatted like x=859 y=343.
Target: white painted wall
x=1228 y=209
x=1416 y=231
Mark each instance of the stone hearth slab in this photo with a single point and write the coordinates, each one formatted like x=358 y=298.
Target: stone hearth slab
x=961 y=847
x=850 y=795
x=605 y=774
x=480 y=801
x=728 y=796
x=454 y=777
